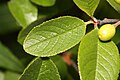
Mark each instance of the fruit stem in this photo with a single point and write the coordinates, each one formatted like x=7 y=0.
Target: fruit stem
x=117 y=24
x=89 y=22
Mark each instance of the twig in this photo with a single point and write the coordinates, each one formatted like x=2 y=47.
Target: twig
x=95 y=21
x=104 y=21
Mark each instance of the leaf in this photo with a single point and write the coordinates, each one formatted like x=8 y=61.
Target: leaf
x=8 y=60
x=61 y=65
x=7 y=22
x=41 y=69
x=44 y=3
x=54 y=36
x=115 y=5
x=24 y=32
x=88 y=6
x=23 y=11
x=97 y=60
x=11 y=75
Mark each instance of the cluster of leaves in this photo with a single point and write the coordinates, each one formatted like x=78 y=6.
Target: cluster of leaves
x=96 y=59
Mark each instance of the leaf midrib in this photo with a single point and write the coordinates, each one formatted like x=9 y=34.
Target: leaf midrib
x=57 y=35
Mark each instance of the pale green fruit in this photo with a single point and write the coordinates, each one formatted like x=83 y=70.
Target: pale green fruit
x=106 y=32
x=118 y=1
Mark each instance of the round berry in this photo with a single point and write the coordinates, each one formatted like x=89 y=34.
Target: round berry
x=106 y=32
x=118 y=1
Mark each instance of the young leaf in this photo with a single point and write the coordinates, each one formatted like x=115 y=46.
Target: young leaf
x=97 y=60
x=115 y=5
x=44 y=3
x=40 y=69
x=88 y=6
x=54 y=36
x=23 y=11
x=8 y=60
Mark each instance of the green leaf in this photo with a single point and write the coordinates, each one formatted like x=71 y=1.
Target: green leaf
x=11 y=75
x=61 y=65
x=8 y=60
x=115 y=5
x=98 y=60
x=44 y=3
x=41 y=69
x=54 y=36
x=24 y=32
x=23 y=11
x=88 y=6
x=7 y=22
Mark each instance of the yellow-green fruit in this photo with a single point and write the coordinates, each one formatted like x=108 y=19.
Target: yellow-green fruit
x=106 y=32
x=118 y=1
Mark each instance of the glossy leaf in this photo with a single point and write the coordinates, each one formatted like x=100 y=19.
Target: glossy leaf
x=88 y=6
x=115 y=5
x=23 y=11
x=98 y=60
x=24 y=32
x=54 y=36
x=8 y=60
x=45 y=3
x=41 y=69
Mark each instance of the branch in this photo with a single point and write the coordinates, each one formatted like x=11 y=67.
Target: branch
x=104 y=21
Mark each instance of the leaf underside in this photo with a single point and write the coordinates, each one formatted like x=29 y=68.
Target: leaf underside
x=97 y=60
x=54 y=36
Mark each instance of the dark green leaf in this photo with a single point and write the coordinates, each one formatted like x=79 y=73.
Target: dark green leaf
x=88 y=6
x=115 y=5
x=23 y=11
x=7 y=22
x=54 y=36
x=8 y=60
x=40 y=69
x=98 y=60
x=45 y=3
